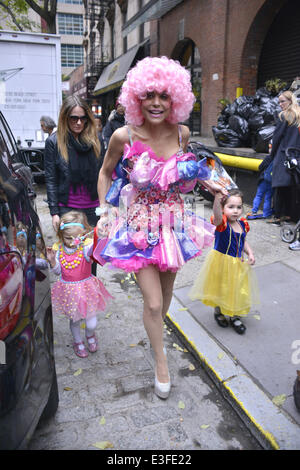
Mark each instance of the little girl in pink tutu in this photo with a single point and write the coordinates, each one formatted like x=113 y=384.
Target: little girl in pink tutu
x=77 y=294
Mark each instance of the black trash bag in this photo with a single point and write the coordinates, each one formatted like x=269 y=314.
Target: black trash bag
x=240 y=126
x=262 y=93
x=244 y=99
x=222 y=121
x=256 y=121
x=246 y=110
x=230 y=109
x=261 y=139
x=226 y=137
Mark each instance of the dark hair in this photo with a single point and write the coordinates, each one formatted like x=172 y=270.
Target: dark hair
x=232 y=192
x=48 y=121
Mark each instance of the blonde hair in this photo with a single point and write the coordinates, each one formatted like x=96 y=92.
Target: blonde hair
x=72 y=231
x=88 y=136
x=292 y=114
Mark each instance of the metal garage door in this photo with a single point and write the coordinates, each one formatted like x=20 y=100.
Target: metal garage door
x=280 y=56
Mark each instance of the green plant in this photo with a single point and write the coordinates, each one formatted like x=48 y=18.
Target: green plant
x=222 y=103
x=274 y=85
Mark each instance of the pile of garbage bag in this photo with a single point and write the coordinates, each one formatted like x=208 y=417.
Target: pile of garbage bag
x=248 y=122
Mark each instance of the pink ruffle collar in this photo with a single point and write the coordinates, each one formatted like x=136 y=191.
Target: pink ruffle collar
x=138 y=148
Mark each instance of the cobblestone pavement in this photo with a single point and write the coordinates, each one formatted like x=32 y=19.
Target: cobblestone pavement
x=108 y=401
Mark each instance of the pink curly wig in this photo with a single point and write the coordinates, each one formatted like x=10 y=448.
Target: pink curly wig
x=157 y=74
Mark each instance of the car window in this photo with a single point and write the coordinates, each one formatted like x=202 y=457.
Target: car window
x=8 y=148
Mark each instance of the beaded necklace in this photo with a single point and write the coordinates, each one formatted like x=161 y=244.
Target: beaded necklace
x=238 y=239
x=75 y=262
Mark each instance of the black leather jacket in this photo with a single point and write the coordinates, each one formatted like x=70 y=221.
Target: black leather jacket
x=57 y=176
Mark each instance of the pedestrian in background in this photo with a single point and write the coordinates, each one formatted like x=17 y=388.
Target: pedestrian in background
x=77 y=294
x=145 y=243
x=225 y=282
x=115 y=121
x=99 y=127
x=264 y=193
x=48 y=125
x=286 y=135
x=72 y=163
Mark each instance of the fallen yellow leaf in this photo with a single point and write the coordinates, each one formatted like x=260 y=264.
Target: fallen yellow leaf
x=192 y=367
x=133 y=345
x=103 y=445
x=78 y=372
x=102 y=420
x=67 y=389
x=182 y=309
x=108 y=315
x=177 y=347
x=257 y=317
x=204 y=426
x=279 y=399
x=181 y=405
x=220 y=355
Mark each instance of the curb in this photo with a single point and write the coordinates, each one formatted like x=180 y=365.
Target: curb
x=271 y=425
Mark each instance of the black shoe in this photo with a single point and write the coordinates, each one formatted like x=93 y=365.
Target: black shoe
x=296 y=391
x=237 y=325
x=274 y=221
x=220 y=318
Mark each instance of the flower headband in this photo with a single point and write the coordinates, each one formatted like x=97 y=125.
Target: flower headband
x=70 y=224
x=22 y=232
x=76 y=240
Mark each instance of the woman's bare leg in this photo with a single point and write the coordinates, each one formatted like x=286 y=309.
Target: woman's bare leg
x=150 y=285
x=167 y=280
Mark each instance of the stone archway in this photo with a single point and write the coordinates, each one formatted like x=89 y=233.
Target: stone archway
x=254 y=43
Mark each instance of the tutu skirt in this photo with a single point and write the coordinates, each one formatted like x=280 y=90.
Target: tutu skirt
x=227 y=282
x=172 y=248
x=80 y=299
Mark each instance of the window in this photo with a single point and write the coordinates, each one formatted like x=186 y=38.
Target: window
x=71 y=55
x=70 y=24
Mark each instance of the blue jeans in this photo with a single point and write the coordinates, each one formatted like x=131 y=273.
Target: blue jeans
x=264 y=190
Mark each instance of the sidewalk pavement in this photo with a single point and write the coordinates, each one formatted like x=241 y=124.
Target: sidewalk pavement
x=108 y=399
x=255 y=370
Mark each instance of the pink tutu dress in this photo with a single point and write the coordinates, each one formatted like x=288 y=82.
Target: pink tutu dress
x=78 y=294
x=154 y=226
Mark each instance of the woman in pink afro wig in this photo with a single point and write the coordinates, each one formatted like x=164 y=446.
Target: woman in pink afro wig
x=157 y=96
x=157 y=74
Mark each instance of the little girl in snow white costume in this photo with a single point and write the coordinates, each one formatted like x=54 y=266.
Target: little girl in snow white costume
x=77 y=294
x=225 y=281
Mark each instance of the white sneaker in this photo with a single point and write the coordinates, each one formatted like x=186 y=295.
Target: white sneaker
x=295 y=246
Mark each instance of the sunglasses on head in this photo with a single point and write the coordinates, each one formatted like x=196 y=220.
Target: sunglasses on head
x=75 y=119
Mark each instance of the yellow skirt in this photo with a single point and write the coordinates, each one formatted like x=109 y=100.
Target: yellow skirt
x=226 y=282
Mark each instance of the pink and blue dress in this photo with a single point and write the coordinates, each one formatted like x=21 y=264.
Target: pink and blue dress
x=154 y=227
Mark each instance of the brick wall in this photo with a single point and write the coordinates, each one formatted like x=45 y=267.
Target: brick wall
x=229 y=35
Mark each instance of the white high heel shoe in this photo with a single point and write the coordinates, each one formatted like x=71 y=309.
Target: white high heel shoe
x=161 y=389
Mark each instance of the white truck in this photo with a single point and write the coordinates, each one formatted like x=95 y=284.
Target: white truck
x=30 y=83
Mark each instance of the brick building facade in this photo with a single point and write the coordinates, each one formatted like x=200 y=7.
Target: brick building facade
x=229 y=35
